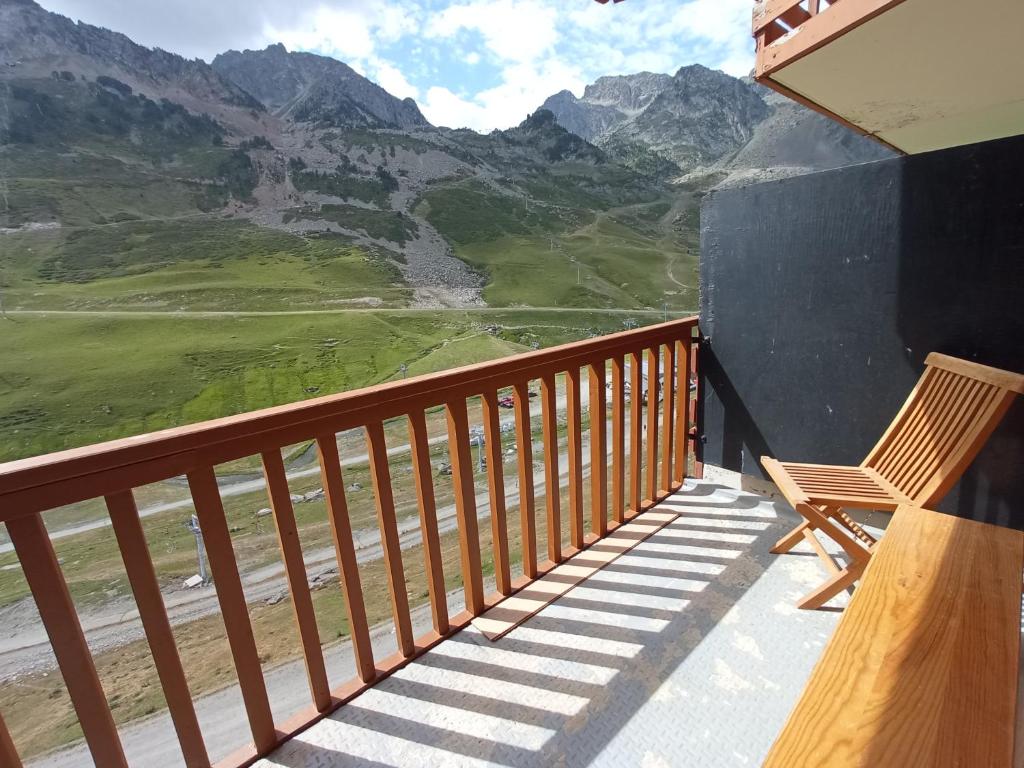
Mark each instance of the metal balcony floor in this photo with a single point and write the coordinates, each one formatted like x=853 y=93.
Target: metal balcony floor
x=686 y=651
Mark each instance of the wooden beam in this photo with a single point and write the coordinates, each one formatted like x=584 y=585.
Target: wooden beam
x=388 y=525
x=575 y=450
x=496 y=491
x=138 y=566
x=465 y=504
x=348 y=568
x=598 y=451
x=233 y=608
x=552 y=489
x=433 y=563
x=60 y=620
x=524 y=449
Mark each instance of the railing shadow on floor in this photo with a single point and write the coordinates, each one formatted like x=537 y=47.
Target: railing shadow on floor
x=559 y=688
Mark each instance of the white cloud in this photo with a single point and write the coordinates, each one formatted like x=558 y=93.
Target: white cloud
x=391 y=79
x=350 y=31
x=522 y=88
x=514 y=30
x=472 y=58
x=442 y=107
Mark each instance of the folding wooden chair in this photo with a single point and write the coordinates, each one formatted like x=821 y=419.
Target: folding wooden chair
x=949 y=415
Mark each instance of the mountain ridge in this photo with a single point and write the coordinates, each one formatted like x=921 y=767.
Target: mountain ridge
x=706 y=122
x=307 y=86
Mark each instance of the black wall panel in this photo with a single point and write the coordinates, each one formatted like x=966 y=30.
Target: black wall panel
x=823 y=294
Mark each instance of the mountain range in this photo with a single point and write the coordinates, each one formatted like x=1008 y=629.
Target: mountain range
x=302 y=144
x=705 y=121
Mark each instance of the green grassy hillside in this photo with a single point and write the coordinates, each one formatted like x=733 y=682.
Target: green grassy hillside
x=74 y=380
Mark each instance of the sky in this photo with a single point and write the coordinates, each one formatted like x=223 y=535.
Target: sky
x=480 y=64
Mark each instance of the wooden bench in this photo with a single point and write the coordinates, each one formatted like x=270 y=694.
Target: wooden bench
x=922 y=668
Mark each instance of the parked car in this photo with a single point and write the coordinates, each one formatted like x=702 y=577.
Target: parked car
x=507 y=401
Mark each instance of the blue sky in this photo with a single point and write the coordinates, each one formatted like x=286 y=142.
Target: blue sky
x=481 y=64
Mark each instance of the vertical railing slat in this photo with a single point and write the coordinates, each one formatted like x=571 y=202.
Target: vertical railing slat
x=636 y=397
x=434 y=566
x=549 y=428
x=668 y=418
x=682 y=411
x=217 y=540
x=8 y=752
x=465 y=504
x=575 y=450
x=598 y=451
x=496 y=490
x=388 y=525
x=295 y=571
x=524 y=448
x=348 y=568
x=694 y=350
x=138 y=566
x=60 y=620
x=652 y=424
x=618 y=441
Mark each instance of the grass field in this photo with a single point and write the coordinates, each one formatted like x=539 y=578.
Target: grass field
x=199 y=263
x=69 y=381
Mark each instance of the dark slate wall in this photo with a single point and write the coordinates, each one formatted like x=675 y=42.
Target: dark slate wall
x=823 y=294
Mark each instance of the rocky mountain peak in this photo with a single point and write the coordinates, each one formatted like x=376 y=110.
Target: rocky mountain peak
x=701 y=118
x=627 y=93
x=34 y=42
x=313 y=88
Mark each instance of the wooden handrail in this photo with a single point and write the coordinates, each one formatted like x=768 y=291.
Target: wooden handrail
x=114 y=469
x=172 y=452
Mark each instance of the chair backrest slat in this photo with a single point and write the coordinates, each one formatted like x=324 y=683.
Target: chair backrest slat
x=939 y=414
x=947 y=418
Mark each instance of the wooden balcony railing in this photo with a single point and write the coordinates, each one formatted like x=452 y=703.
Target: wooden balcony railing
x=785 y=30
x=113 y=470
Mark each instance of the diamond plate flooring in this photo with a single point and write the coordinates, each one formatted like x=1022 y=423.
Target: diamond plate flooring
x=687 y=651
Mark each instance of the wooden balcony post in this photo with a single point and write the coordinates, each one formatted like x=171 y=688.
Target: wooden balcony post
x=667 y=419
x=574 y=429
x=694 y=349
x=390 y=545
x=60 y=620
x=295 y=571
x=618 y=441
x=233 y=608
x=496 y=491
x=8 y=752
x=552 y=490
x=636 y=397
x=682 y=412
x=524 y=447
x=598 y=451
x=434 y=566
x=652 y=424
x=348 y=568
x=465 y=505
x=138 y=566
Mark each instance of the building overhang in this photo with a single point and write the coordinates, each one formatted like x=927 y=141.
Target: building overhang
x=917 y=75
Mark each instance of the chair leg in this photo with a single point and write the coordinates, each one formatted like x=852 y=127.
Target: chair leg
x=791 y=539
x=840 y=581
